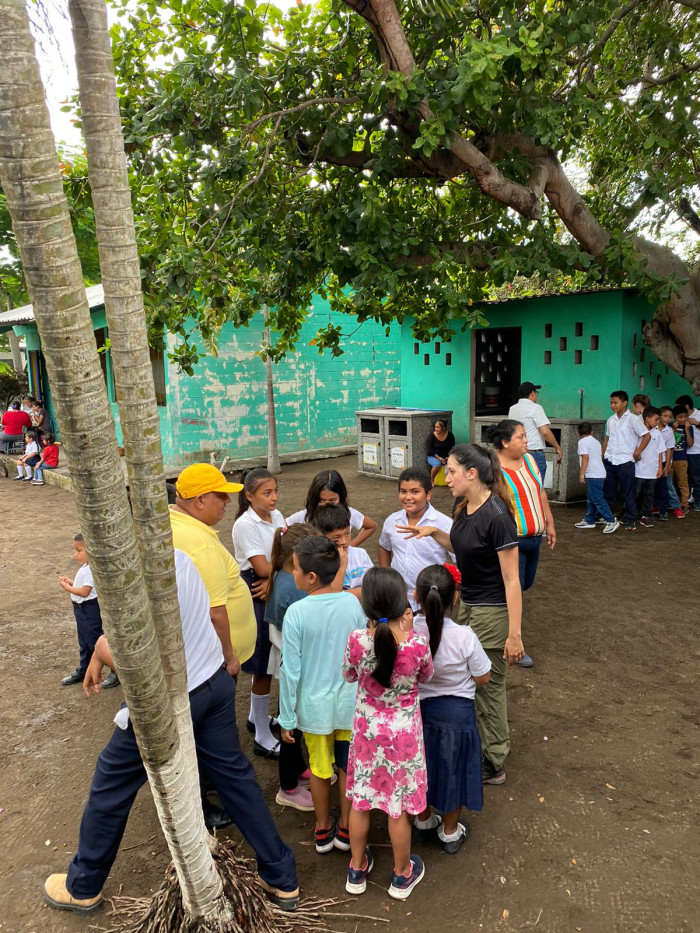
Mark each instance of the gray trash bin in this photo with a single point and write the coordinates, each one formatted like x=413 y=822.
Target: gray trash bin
x=397 y=437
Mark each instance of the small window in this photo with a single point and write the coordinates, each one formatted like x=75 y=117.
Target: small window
x=634 y=369
x=578 y=357
x=437 y=347
x=547 y=331
x=448 y=359
x=651 y=369
x=644 y=323
x=547 y=357
x=562 y=343
x=158 y=368
x=595 y=342
x=641 y=383
x=482 y=378
x=578 y=329
x=667 y=370
x=416 y=349
x=635 y=341
x=658 y=382
x=426 y=359
x=642 y=355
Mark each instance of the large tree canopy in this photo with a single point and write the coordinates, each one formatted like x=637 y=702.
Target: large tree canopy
x=404 y=159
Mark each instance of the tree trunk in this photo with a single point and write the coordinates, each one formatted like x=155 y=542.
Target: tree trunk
x=273 y=455
x=33 y=186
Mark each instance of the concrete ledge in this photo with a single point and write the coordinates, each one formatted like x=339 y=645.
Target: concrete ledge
x=60 y=476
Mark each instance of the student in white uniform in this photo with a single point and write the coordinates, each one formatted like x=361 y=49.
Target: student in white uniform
x=649 y=467
x=410 y=555
x=328 y=488
x=253 y=532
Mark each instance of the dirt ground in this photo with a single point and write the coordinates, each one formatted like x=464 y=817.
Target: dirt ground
x=595 y=829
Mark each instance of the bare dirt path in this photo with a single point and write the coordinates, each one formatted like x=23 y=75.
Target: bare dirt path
x=595 y=829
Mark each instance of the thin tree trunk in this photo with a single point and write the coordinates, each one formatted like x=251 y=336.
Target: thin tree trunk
x=33 y=186
x=273 y=455
x=138 y=413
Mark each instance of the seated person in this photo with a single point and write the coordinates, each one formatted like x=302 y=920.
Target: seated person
x=14 y=423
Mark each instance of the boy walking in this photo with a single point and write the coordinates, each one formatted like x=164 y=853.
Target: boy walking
x=592 y=473
x=314 y=697
x=649 y=468
x=625 y=439
x=86 y=610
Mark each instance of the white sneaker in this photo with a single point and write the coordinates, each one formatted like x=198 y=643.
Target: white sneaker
x=584 y=525
x=610 y=527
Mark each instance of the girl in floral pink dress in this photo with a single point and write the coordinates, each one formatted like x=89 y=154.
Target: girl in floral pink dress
x=386 y=766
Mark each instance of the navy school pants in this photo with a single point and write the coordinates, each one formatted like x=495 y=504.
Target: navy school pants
x=89 y=623
x=528 y=559
x=119 y=774
x=622 y=473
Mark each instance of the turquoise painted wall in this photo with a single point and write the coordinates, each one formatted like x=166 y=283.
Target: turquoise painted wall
x=222 y=407
x=612 y=317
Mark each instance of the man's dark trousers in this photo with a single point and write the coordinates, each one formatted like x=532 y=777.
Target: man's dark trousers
x=119 y=774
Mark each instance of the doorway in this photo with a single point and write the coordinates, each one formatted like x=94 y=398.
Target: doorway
x=496 y=355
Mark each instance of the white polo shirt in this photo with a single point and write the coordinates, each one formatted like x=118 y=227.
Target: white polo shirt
x=410 y=555
x=83 y=577
x=624 y=435
x=694 y=451
x=252 y=536
x=203 y=654
x=648 y=464
x=591 y=446
x=669 y=439
x=532 y=417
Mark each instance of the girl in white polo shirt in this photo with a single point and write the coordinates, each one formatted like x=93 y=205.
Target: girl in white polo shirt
x=452 y=744
x=253 y=533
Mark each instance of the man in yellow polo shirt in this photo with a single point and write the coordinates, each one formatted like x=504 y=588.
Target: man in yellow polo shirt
x=202 y=497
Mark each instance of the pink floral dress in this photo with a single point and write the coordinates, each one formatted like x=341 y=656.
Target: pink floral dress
x=386 y=767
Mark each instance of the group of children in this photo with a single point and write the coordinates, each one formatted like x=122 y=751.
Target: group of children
x=646 y=453
x=374 y=675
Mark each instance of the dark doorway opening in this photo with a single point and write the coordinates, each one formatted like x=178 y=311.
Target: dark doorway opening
x=497 y=354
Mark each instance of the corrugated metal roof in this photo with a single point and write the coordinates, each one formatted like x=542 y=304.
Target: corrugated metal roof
x=95 y=296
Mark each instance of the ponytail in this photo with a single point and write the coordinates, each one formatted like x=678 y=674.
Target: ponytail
x=283 y=544
x=435 y=588
x=383 y=598
x=488 y=468
x=251 y=479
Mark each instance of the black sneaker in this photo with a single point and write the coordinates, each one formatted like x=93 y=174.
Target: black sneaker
x=490 y=774
x=76 y=677
x=662 y=516
x=325 y=839
x=111 y=680
x=630 y=526
x=427 y=835
x=646 y=521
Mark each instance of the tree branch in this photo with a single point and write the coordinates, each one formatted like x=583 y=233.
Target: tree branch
x=649 y=81
x=687 y=214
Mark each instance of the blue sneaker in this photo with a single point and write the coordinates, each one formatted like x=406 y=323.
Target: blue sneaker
x=401 y=886
x=357 y=877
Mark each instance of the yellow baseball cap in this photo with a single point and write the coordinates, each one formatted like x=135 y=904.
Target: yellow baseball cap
x=201 y=478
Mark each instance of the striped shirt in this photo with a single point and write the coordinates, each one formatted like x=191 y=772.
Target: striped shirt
x=525 y=488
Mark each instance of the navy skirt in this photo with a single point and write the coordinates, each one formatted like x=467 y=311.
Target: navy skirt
x=257 y=664
x=452 y=753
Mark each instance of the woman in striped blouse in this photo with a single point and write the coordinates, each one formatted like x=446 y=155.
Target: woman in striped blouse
x=531 y=510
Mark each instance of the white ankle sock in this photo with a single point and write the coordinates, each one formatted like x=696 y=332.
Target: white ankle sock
x=432 y=821
x=260 y=710
x=444 y=837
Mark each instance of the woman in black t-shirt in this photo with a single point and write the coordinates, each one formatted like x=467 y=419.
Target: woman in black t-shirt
x=484 y=540
x=440 y=443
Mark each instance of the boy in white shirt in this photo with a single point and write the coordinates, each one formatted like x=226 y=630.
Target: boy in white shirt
x=625 y=439
x=333 y=523
x=410 y=555
x=649 y=467
x=665 y=495
x=592 y=473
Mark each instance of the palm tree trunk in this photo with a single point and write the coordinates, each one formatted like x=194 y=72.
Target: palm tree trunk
x=33 y=186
